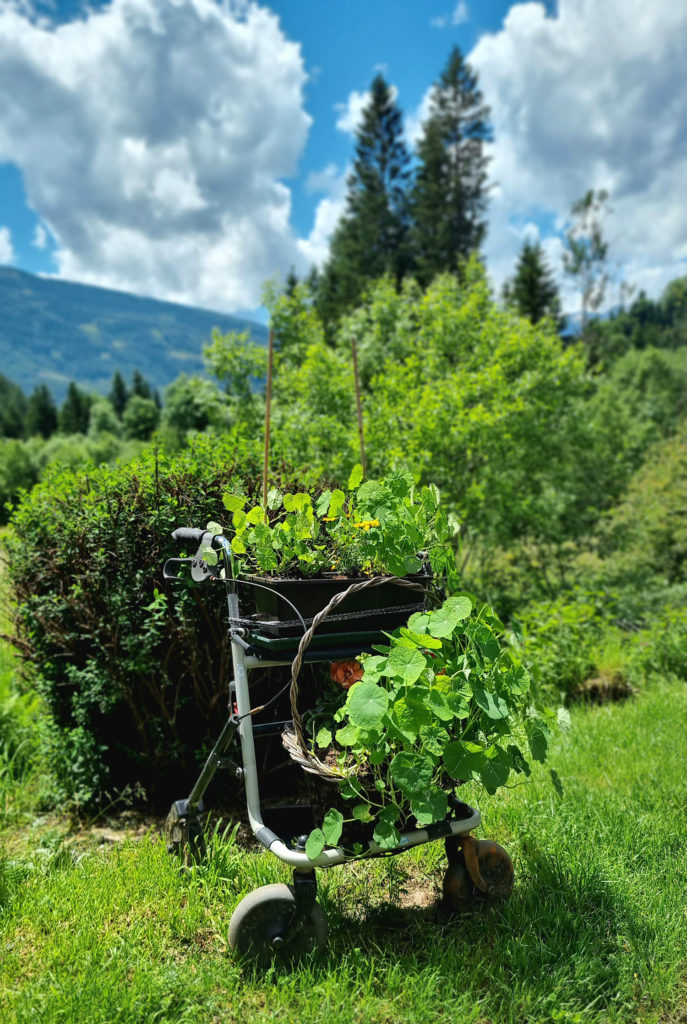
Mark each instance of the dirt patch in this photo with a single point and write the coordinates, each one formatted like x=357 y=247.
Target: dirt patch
x=604 y=689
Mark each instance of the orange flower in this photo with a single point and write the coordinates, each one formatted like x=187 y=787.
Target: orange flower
x=345 y=673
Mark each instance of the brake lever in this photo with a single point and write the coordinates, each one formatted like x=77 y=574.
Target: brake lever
x=167 y=575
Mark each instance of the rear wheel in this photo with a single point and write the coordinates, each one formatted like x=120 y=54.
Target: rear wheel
x=268 y=925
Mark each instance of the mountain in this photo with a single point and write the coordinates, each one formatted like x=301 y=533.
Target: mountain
x=53 y=332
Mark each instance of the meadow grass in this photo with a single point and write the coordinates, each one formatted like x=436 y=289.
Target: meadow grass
x=596 y=928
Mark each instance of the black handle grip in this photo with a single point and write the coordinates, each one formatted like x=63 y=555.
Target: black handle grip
x=191 y=533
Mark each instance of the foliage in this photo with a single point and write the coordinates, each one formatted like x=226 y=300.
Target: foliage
x=447 y=701
x=194 y=404
x=140 y=418
x=129 y=678
x=449 y=194
x=74 y=411
x=41 y=413
x=17 y=471
x=371 y=238
x=379 y=527
x=12 y=408
x=660 y=323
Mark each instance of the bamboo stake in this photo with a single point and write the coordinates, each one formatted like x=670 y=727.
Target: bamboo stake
x=268 y=401
x=359 y=406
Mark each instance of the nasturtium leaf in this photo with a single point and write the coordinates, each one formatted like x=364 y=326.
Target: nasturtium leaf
x=440 y=623
x=347 y=736
x=416 y=698
x=209 y=556
x=563 y=717
x=518 y=680
x=406 y=662
x=431 y=807
x=378 y=755
x=367 y=704
x=517 y=760
x=239 y=519
x=491 y=704
x=495 y=770
x=356 y=477
x=336 y=502
x=458 y=701
x=214 y=528
x=386 y=835
x=538 y=741
x=374 y=666
x=411 y=772
x=233 y=502
x=462 y=758
x=361 y=812
x=289 y=502
x=255 y=515
x=421 y=639
x=332 y=826
x=484 y=638
x=315 y=844
x=418 y=622
x=324 y=737
x=458 y=607
x=405 y=720
x=322 y=505
x=434 y=738
x=380 y=785
x=438 y=705
x=274 y=498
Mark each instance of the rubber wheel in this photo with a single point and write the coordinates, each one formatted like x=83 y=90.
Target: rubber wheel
x=460 y=892
x=268 y=926
x=184 y=836
x=496 y=868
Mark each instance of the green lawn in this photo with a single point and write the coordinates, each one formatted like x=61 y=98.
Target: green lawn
x=596 y=929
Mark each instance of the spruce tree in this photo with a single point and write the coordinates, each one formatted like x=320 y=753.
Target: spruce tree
x=119 y=394
x=533 y=291
x=12 y=408
x=448 y=199
x=75 y=411
x=371 y=239
x=140 y=386
x=41 y=413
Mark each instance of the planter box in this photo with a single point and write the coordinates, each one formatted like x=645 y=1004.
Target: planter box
x=386 y=606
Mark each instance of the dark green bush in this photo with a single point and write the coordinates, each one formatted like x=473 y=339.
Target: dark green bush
x=134 y=673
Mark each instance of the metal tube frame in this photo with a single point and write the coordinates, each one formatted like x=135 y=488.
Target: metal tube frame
x=242 y=721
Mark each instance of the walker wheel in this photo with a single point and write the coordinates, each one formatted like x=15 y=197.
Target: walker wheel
x=496 y=868
x=268 y=925
x=184 y=836
x=460 y=892
x=481 y=869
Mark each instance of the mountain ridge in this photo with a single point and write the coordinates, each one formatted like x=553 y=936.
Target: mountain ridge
x=54 y=331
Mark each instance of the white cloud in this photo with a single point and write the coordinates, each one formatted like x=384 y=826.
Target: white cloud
x=351 y=112
x=315 y=248
x=40 y=237
x=6 y=250
x=460 y=15
x=153 y=137
x=590 y=97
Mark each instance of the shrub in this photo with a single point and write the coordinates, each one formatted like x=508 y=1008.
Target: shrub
x=134 y=679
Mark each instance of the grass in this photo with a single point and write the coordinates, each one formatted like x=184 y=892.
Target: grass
x=596 y=929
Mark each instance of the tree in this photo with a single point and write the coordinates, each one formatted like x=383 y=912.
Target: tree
x=41 y=413
x=371 y=239
x=140 y=418
x=75 y=411
x=119 y=394
x=12 y=408
x=533 y=293
x=449 y=196
x=586 y=251
x=140 y=386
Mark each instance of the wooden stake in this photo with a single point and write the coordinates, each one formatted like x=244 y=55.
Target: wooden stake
x=268 y=400
x=360 y=409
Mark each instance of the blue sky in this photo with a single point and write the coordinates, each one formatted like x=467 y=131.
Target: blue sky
x=190 y=149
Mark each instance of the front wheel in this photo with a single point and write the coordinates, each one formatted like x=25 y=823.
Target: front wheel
x=268 y=925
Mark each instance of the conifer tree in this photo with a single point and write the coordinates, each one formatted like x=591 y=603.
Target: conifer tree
x=119 y=394
x=533 y=291
x=74 y=411
x=41 y=413
x=371 y=239
x=448 y=199
x=12 y=408
x=140 y=386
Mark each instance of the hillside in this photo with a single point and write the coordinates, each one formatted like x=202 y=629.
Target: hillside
x=56 y=331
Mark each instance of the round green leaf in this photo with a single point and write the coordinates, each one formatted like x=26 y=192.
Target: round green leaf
x=491 y=704
x=386 y=835
x=332 y=826
x=411 y=772
x=367 y=705
x=462 y=759
x=406 y=662
x=431 y=807
x=315 y=844
x=233 y=502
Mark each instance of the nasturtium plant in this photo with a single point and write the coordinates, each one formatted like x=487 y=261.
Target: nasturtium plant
x=385 y=526
x=447 y=701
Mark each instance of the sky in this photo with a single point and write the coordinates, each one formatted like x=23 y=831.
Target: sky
x=191 y=150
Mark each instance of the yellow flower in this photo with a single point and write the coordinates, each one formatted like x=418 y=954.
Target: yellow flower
x=366 y=524
x=329 y=519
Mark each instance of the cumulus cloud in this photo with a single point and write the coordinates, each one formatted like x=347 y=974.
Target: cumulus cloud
x=153 y=137
x=315 y=248
x=6 y=250
x=590 y=97
x=460 y=15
